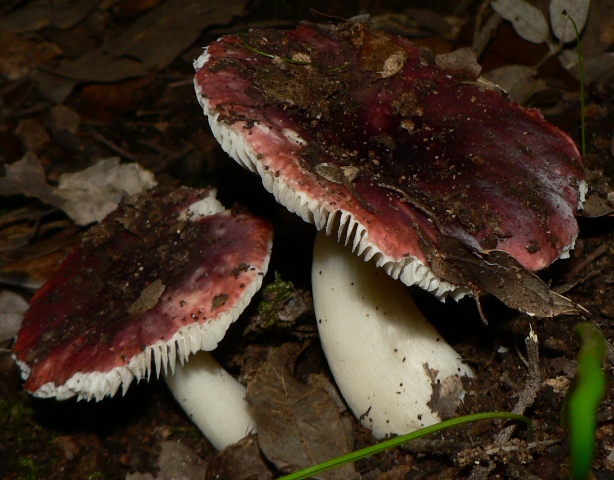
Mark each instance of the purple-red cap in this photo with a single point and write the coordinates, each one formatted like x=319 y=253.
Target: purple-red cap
x=161 y=277
x=369 y=136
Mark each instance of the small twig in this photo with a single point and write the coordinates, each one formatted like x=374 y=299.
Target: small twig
x=609 y=351
x=532 y=386
x=109 y=144
x=170 y=161
x=566 y=287
x=590 y=258
x=244 y=27
x=181 y=83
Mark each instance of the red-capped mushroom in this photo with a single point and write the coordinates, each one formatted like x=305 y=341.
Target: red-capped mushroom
x=160 y=278
x=406 y=158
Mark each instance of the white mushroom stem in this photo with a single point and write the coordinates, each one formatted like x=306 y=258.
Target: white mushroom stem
x=383 y=353
x=213 y=400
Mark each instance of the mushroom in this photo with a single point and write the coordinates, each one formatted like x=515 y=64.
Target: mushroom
x=408 y=160
x=160 y=278
x=383 y=353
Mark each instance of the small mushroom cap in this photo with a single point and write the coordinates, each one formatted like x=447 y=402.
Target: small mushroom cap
x=162 y=276
x=368 y=135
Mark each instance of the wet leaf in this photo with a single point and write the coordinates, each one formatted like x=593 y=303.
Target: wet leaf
x=519 y=81
x=12 y=308
x=595 y=68
x=37 y=15
x=560 y=13
x=596 y=206
x=498 y=273
x=86 y=196
x=298 y=425
x=91 y=194
x=462 y=62
x=27 y=177
x=240 y=461
x=177 y=460
x=152 y=42
x=528 y=21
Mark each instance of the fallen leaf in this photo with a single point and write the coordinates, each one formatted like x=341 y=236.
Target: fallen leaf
x=152 y=42
x=108 y=102
x=498 y=273
x=60 y=117
x=595 y=68
x=27 y=177
x=32 y=133
x=447 y=394
x=86 y=196
x=528 y=21
x=461 y=62
x=519 y=81
x=298 y=425
x=595 y=206
x=91 y=194
x=20 y=56
x=177 y=460
x=38 y=14
x=240 y=461
x=12 y=308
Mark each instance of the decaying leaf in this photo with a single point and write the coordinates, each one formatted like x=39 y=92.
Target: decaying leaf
x=528 y=21
x=240 y=461
x=177 y=460
x=596 y=206
x=27 y=177
x=498 y=273
x=91 y=194
x=519 y=81
x=298 y=425
x=595 y=68
x=37 y=15
x=152 y=42
x=12 y=308
x=86 y=196
x=461 y=62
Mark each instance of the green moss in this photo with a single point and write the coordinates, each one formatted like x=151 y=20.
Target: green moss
x=275 y=297
x=96 y=476
x=18 y=418
x=29 y=468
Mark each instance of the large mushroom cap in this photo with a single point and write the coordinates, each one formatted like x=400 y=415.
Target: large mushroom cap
x=162 y=276
x=366 y=133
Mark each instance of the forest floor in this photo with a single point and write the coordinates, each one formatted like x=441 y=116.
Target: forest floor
x=138 y=104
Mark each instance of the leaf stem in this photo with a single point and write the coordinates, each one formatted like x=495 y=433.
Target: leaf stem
x=581 y=68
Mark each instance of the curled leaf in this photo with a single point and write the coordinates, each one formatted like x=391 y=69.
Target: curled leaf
x=498 y=273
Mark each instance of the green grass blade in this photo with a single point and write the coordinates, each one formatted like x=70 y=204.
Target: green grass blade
x=396 y=441
x=581 y=68
x=583 y=399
